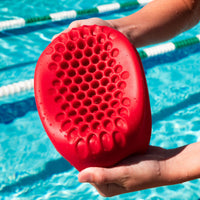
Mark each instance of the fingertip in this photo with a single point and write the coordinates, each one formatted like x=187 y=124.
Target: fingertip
x=85 y=176
x=74 y=24
x=55 y=36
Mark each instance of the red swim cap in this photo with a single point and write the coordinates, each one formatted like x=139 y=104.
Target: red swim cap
x=92 y=97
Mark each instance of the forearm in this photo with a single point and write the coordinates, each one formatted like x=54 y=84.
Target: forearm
x=158 y=21
x=182 y=164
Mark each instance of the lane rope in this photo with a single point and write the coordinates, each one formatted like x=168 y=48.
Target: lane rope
x=18 y=87
x=160 y=49
x=71 y=14
x=168 y=47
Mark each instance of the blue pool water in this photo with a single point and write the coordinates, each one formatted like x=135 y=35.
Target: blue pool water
x=30 y=166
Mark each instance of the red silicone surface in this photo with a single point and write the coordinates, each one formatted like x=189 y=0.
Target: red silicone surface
x=92 y=97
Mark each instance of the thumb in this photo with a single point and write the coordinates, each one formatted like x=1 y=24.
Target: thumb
x=102 y=176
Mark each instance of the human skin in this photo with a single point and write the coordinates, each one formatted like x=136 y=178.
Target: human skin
x=158 y=21
x=157 y=167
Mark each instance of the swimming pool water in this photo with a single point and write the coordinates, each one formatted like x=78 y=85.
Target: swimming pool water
x=30 y=166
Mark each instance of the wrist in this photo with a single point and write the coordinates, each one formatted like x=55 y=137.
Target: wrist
x=168 y=170
x=129 y=30
x=182 y=164
x=136 y=28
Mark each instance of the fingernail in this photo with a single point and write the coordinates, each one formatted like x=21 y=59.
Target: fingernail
x=86 y=178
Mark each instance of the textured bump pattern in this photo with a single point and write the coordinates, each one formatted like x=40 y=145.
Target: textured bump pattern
x=92 y=97
x=90 y=86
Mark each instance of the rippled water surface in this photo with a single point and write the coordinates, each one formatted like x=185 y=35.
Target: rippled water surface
x=30 y=166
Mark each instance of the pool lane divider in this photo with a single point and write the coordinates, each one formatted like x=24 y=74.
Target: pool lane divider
x=72 y=14
x=18 y=87
x=168 y=47
x=27 y=85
